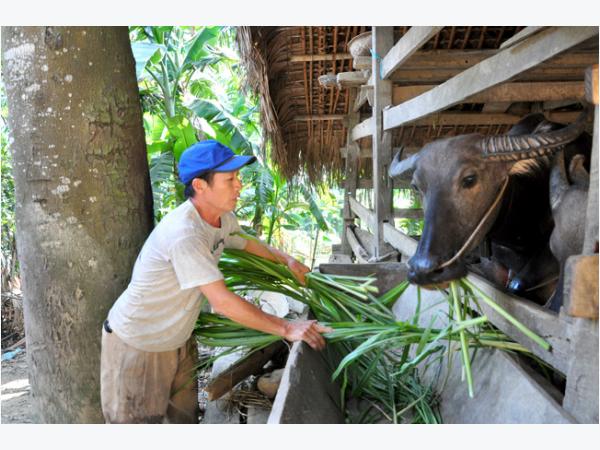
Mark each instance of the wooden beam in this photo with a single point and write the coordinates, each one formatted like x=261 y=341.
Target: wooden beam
x=491 y=72
x=496 y=107
x=541 y=321
x=315 y=58
x=581 y=286
x=366 y=215
x=319 y=117
x=367 y=152
x=361 y=63
x=367 y=183
x=591 y=84
x=454 y=119
x=464 y=119
x=447 y=60
x=412 y=41
x=521 y=36
x=242 y=369
x=400 y=241
x=351 y=79
x=383 y=40
x=351 y=174
x=359 y=252
x=590 y=240
x=458 y=60
x=365 y=95
x=363 y=129
x=408 y=213
x=507 y=92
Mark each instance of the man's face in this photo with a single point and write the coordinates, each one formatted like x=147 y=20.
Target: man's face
x=224 y=190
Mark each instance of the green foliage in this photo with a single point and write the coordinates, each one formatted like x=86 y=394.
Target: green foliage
x=379 y=358
x=190 y=83
x=407 y=198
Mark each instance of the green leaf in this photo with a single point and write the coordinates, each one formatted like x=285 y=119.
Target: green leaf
x=196 y=49
x=142 y=52
x=158 y=147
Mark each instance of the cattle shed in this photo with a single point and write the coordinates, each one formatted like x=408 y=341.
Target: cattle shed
x=338 y=101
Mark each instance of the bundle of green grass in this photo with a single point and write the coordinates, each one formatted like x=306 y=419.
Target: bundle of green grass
x=380 y=360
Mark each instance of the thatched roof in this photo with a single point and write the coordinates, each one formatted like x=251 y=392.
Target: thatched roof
x=304 y=120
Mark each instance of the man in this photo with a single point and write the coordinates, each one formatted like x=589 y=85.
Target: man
x=148 y=351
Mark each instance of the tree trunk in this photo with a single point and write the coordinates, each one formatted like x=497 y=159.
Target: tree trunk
x=83 y=200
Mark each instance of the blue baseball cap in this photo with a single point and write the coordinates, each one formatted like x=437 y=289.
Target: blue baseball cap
x=209 y=155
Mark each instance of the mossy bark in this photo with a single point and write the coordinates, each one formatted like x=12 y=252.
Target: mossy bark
x=83 y=200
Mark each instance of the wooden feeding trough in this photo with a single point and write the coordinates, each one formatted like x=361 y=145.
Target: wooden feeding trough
x=307 y=395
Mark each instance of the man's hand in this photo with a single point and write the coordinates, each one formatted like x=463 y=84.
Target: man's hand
x=308 y=331
x=299 y=270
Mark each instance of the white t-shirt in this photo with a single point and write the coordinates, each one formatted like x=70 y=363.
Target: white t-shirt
x=159 y=308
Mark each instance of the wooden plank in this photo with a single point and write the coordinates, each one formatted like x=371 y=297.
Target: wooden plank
x=351 y=174
x=507 y=92
x=590 y=240
x=400 y=241
x=365 y=95
x=496 y=107
x=491 y=72
x=408 y=213
x=361 y=63
x=366 y=215
x=367 y=152
x=363 y=129
x=242 y=369
x=521 y=36
x=541 y=321
x=447 y=60
x=360 y=253
x=351 y=79
x=534 y=75
x=591 y=84
x=581 y=391
x=367 y=183
x=321 y=57
x=383 y=39
x=412 y=40
x=364 y=152
x=581 y=286
x=319 y=117
x=454 y=119
x=444 y=60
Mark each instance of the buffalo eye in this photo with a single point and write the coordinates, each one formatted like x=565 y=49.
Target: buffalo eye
x=469 y=181
x=414 y=187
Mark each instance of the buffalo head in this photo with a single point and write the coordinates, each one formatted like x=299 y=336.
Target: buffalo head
x=461 y=181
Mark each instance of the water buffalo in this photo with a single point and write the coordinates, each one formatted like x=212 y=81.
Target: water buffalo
x=475 y=186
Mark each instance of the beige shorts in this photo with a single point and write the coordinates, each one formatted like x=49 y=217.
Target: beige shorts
x=148 y=387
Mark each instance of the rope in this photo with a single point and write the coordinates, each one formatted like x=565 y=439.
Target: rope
x=487 y=214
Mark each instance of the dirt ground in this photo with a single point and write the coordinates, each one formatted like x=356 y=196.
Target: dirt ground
x=15 y=395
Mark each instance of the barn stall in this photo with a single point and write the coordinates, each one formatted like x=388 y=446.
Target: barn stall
x=337 y=103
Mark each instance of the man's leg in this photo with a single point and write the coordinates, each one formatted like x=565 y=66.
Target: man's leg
x=183 y=405
x=135 y=385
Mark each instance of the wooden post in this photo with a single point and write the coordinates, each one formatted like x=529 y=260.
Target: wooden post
x=581 y=392
x=383 y=40
x=351 y=181
x=590 y=243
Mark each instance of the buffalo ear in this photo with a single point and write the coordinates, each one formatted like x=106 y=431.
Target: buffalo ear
x=403 y=168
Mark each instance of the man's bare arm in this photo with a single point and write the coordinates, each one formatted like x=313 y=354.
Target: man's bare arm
x=271 y=253
x=232 y=306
